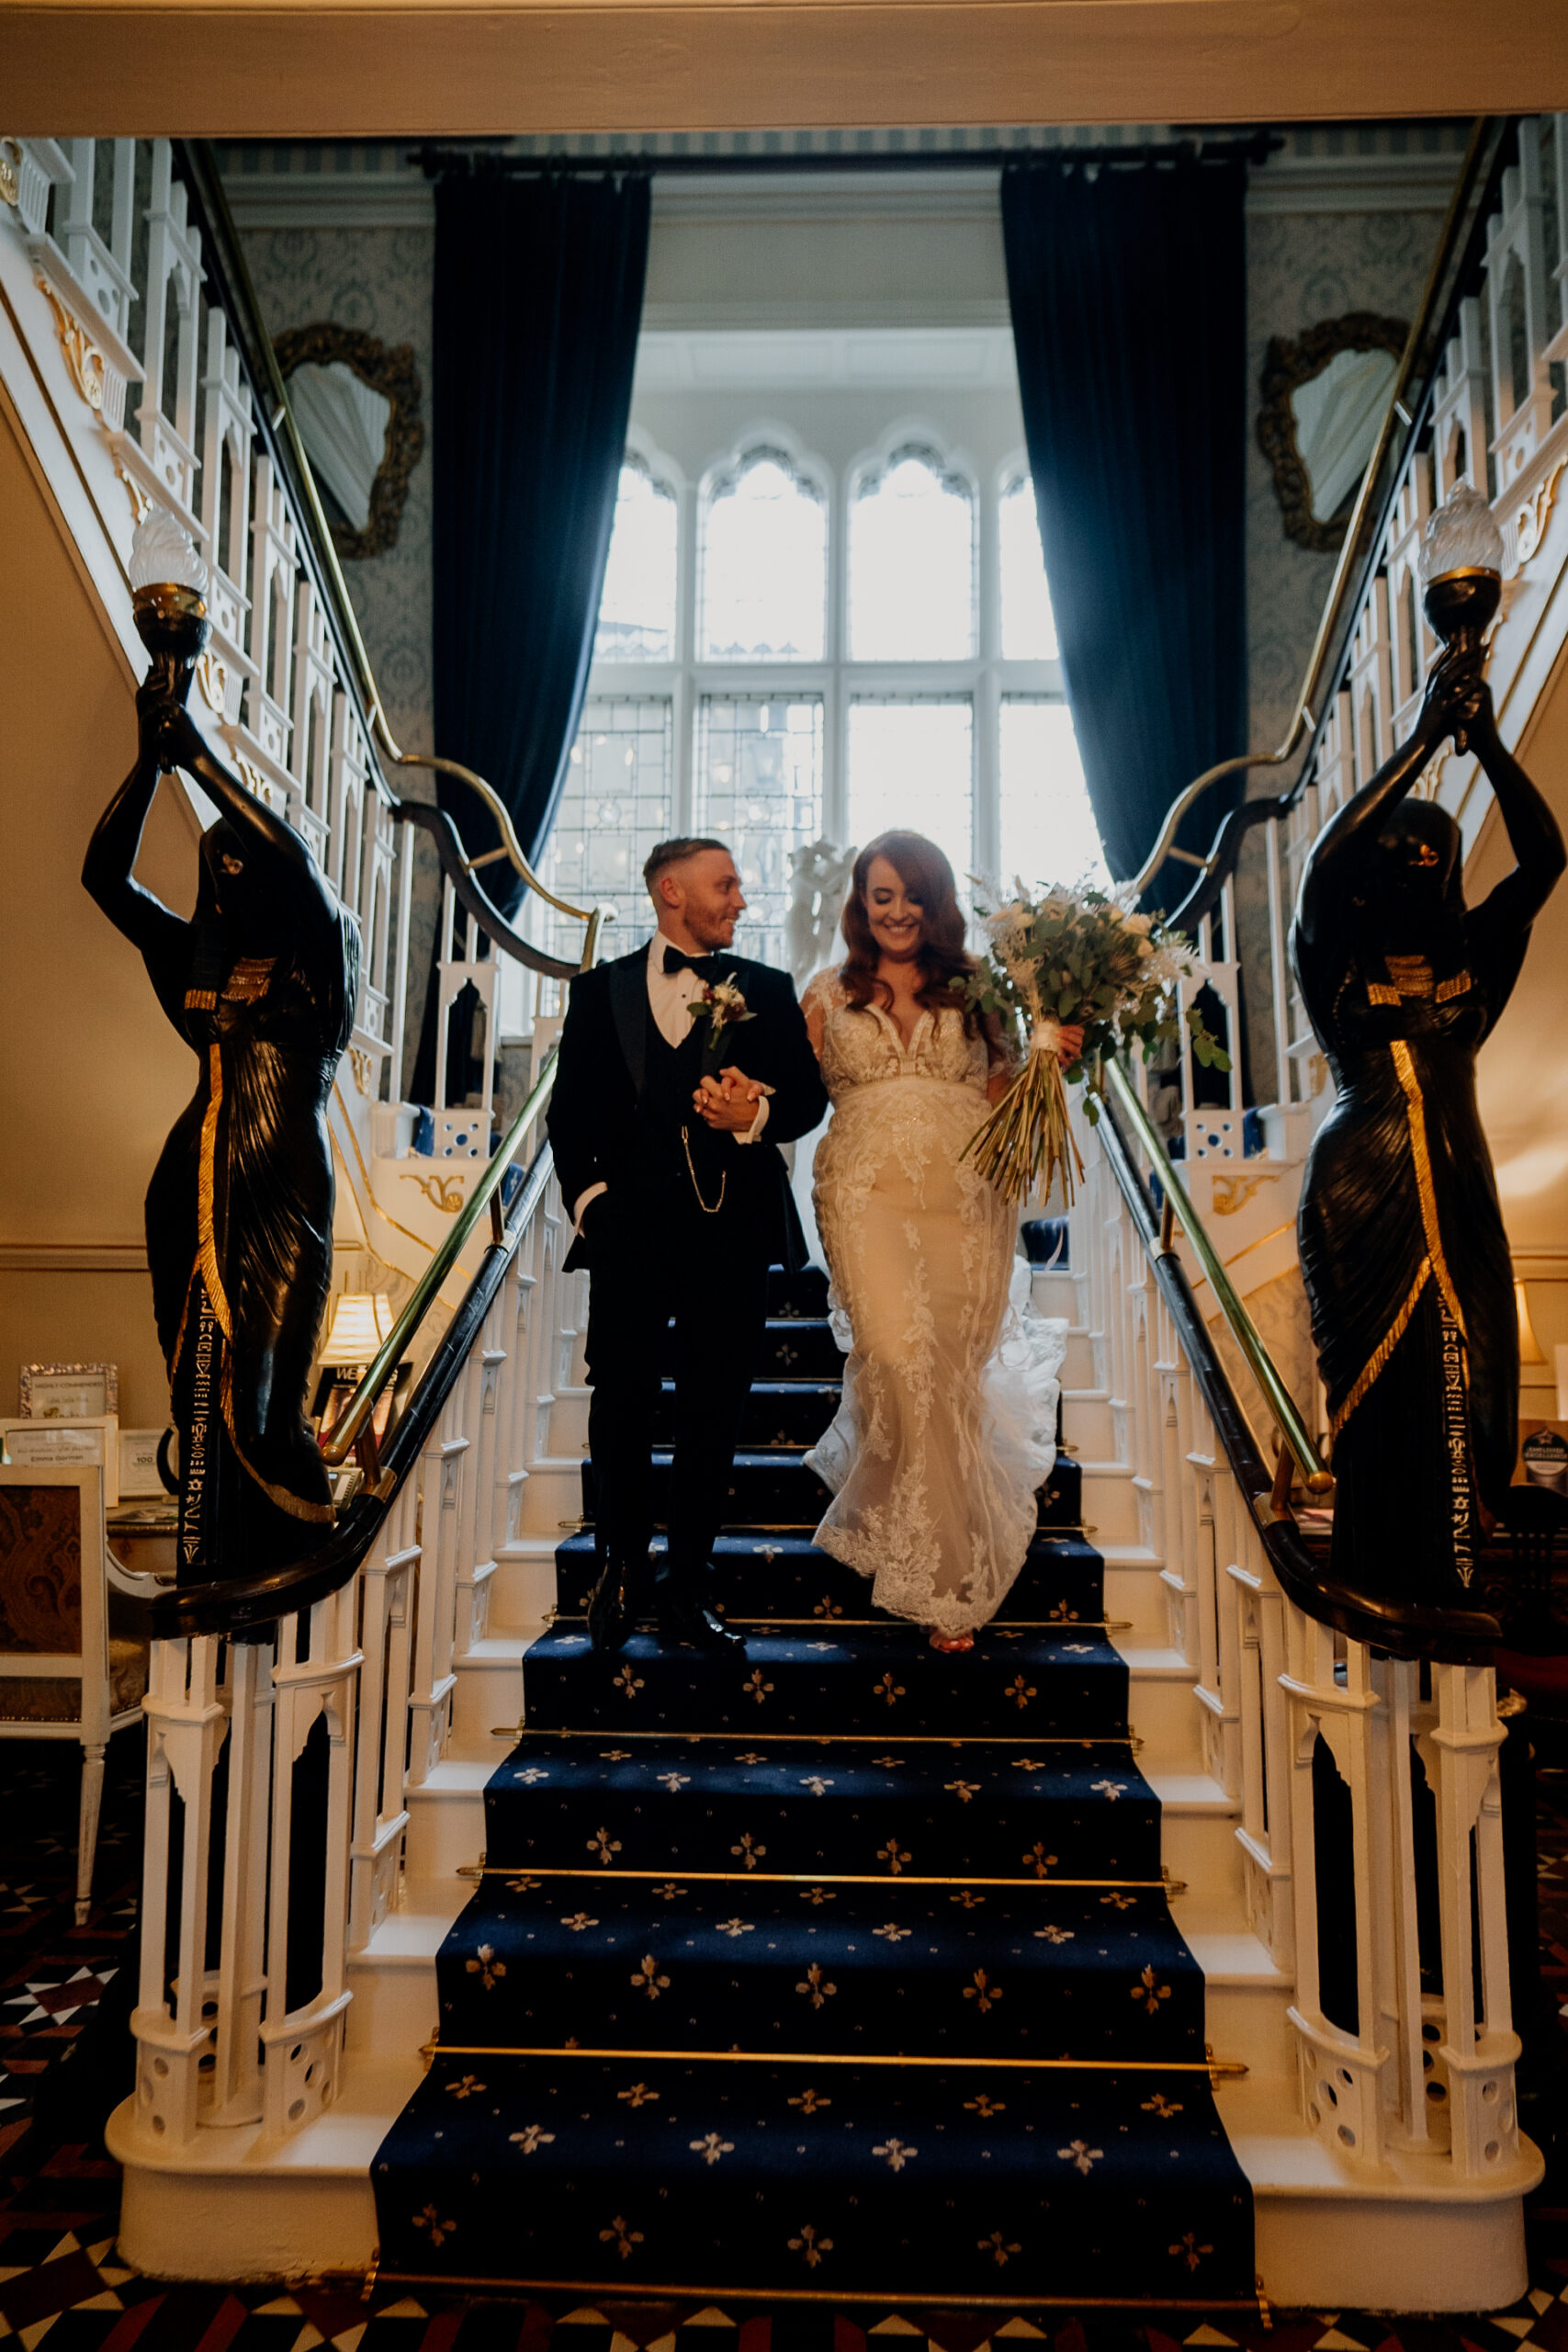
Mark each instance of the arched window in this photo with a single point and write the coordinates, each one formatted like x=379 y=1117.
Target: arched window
x=1047 y=828
x=636 y=612
x=1029 y=626
x=911 y=560
x=763 y=560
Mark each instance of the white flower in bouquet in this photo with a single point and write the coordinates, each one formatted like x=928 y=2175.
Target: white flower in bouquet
x=1078 y=958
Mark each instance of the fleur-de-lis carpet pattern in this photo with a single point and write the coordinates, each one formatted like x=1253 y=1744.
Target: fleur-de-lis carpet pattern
x=842 y=1969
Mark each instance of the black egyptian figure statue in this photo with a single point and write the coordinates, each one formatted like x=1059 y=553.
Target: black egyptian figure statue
x=1403 y=1250
x=261 y=984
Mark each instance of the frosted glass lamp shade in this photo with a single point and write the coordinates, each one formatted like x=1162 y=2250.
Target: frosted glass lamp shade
x=163 y=555
x=361 y=1320
x=1462 y=536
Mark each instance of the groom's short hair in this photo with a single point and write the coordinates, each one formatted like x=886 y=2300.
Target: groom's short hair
x=675 y=853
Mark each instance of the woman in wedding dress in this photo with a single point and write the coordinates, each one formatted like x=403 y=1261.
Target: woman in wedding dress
x=948 y=1422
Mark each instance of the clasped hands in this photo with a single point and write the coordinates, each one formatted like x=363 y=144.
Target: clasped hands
x=728 y=1102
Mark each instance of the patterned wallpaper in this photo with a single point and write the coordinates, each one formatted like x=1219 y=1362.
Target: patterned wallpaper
x=1301 y=267
x=379 y=280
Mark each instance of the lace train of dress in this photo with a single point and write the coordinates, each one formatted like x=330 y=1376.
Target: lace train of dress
x=948 y=1421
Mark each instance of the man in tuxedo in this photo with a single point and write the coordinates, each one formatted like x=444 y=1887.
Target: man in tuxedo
x=666 y=1127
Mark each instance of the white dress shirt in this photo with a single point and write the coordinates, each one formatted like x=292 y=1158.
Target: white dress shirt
x=671 y=996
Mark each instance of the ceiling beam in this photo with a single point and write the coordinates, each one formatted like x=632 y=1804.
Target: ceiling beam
x=294 y=68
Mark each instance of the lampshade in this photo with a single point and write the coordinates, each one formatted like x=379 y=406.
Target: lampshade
x=360 y=1322
x=162 y=554
x=1530 y=1349
x=1462 y=536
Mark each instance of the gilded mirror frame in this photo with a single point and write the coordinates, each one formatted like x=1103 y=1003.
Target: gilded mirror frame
x=1288 y=364
x=390 y=371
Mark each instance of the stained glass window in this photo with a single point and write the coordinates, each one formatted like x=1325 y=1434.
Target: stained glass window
x=911 y=562
x=763 y=559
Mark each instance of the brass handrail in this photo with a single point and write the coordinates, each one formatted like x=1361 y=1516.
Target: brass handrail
x=282 y=417
x=1293 y=1432
x=353 y=1427
x=1350 y=549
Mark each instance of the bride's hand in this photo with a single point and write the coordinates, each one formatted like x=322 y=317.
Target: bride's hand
x=1071 y=1045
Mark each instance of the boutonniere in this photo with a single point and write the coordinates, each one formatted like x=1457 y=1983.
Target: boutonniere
x=721 y=1003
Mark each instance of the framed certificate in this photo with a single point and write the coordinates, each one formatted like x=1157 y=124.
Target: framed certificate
x=139 y=1464
x=89 y=1440
x=69 y=1392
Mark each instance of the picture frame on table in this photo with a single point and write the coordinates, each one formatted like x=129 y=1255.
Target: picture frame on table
x=140 y=1478
x=67 y=1392
x=87 y=1441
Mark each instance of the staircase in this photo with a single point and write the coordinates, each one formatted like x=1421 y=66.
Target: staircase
x=1187 y=1711
x=865 y=1947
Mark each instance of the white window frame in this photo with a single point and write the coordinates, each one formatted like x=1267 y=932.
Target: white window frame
x=984 y=678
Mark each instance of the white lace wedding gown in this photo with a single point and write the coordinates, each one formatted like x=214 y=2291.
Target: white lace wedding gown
x=949 y=1414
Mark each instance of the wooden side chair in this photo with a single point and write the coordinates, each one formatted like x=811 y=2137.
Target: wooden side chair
x=62 y=1674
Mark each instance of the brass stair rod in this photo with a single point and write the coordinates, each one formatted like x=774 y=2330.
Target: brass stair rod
x=1293 y=1429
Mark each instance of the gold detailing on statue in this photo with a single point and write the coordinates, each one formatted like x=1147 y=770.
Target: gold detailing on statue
x=249 y=979
x=1532 y=516
x=207 y=1264
x=1380 y=993
x=1411 y=975
x=1383 y=1350
x=1404 y=1069
x=443 y=1193
x=205 y=1196
x=201 y=1000
x=83 y=356
x=723 y=1182
x=1233 y=1193
x=1434 y=1264
x=1457 y=984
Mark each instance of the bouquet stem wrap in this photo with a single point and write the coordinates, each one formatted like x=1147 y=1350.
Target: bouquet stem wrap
x=1028 y=1135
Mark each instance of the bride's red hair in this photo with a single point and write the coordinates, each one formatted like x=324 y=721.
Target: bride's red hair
x=928 y=877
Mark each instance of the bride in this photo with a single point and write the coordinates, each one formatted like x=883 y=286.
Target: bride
x=948 y=1422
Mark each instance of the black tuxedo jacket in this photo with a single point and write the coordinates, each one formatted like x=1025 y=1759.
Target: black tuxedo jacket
x=599 y=1113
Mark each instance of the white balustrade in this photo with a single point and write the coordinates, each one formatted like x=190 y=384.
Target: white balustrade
x=233 y=1853
x=1402 y=2068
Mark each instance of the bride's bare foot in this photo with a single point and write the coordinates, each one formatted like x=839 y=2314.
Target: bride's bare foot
x=950 y=1642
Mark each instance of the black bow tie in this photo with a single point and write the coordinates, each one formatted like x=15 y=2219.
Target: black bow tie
x=677 y=960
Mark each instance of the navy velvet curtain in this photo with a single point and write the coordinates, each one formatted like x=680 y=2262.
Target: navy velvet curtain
x=1128 y=293
x=539 y=300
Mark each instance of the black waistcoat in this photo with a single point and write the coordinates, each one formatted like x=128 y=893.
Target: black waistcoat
x=671 y=1075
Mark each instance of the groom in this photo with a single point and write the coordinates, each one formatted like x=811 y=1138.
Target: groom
x=681 y=1069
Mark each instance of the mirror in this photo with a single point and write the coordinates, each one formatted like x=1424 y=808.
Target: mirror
x=357 y=405
x=1324 y=398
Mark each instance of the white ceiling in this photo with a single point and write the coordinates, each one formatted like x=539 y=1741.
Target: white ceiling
x=948 y=359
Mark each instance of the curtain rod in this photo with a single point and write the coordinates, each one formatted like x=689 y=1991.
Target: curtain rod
x=439 y=162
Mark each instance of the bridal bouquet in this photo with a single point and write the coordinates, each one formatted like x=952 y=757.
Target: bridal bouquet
x=1073 y=957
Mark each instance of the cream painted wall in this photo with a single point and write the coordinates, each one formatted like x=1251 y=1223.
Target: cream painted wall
x=90 y=1075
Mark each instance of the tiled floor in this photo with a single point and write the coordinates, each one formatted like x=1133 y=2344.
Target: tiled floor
x=63 y=2006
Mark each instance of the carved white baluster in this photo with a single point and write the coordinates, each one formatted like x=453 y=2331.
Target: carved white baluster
x=1516 y=298
x=167 y=413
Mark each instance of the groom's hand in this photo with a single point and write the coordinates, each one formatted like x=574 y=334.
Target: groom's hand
x=729 y=1100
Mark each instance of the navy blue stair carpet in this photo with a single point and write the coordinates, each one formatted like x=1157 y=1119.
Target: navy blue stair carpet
x=842 y=1971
